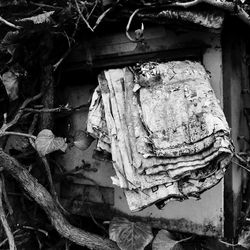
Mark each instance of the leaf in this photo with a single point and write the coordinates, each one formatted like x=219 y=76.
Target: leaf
x=164 y=240
x=10 y=81
x=41 y=18
x=46 y=142
x=130 y=235
x=99 y=19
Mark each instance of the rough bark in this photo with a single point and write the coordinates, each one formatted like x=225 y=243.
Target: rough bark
x=47 y=85
x=47 y=121
x=4 y=221
x=44 y=199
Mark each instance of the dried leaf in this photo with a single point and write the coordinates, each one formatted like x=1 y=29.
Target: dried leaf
x=41 y=18
x=130 y=235
x=164 y=240
x=46 y=142
x=100 y=18
x=10 y=81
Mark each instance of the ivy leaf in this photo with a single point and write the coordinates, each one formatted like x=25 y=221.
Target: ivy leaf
x=164 y=240
x=130 y=235
x=46 y=142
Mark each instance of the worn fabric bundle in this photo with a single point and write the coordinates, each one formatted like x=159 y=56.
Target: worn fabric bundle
x=165 y=129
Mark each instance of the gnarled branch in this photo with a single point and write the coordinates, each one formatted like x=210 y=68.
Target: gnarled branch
x=44 y=199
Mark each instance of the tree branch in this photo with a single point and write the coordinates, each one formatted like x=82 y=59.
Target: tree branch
x=51 y=184
x=18 y=134
x=36 y=229
x=81 y=15
x=5 y=240
x=44 y=199
x=9 y=24
x=4 y=221
x=46 y=6
x=19 y=113
x=64 y=109
x=5 y=196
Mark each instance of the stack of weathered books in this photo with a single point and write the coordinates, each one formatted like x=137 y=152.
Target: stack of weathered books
x=165 y=129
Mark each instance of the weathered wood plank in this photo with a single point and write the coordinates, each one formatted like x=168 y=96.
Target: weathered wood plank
x=116 y=50
x=232 y=76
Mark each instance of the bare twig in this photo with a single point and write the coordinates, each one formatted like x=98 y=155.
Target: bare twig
x=55 y=66
x=56 y=110
x=9 y=24
x=97 y=224
x=238 y=157
x=81 y=15
x=19 y=113
x=228 y=244
x=51 y=184
x=5 y=196
x=36 y=229
x=5 y=240
x=46 y=6
x=40 y=245
x=48 y=172
x=89 y=15
x=17 y=133
x=47 y=110
x=4 y=221
x=240 y=165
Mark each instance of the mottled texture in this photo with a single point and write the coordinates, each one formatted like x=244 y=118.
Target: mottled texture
x=169 y=137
